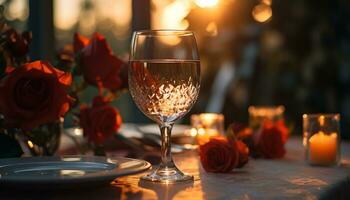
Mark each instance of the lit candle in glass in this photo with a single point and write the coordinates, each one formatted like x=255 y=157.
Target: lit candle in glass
x=207 y=125
x=258 y=114
x=322 y=139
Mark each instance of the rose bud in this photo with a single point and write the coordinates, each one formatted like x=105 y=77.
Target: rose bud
x=100 y=121
x=79 y=42
x=242 y=133
x=18 y=44
x=65 y=57
x=99 y=66
x=27 y=35
x=219 y=155
x=270 y=139
x=34 y=94
x=243 y=151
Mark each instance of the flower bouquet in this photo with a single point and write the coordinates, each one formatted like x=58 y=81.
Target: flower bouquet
x=268 y=141
x=35 y=96
x=223 y=154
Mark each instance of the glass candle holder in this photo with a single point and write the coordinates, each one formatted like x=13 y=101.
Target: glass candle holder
x=258 y=114
x=207 y=125
x=321 y=139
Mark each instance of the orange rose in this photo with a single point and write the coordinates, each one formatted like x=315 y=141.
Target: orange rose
x=98 y=64
x=100 y=121
x=243 y=151
x=219 y=155
x=271 y=138
x=34 y=94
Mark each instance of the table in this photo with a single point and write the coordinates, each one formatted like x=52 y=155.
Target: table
x=287 y=178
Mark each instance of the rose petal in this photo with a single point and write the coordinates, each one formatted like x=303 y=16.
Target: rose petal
x=79 y=42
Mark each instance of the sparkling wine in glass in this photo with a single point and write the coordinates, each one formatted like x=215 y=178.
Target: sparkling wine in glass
x=164 y=81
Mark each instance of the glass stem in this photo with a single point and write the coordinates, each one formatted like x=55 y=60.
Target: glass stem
x=167 y=160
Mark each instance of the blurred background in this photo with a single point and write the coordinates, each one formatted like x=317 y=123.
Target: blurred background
x=253 y=52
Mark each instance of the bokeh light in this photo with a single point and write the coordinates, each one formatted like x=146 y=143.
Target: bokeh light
x=66 y=13
x=17 y=10
x=262 y=12
x=212 y=29
x=267 y=2
x=206 y=3
x=168 y=15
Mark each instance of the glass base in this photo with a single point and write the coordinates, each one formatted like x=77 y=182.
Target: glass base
x=167 y=175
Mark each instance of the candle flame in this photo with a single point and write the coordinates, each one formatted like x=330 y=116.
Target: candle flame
x=30 y=144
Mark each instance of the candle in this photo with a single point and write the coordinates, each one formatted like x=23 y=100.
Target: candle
x=258 y=114
x=204 y=135
x=323 y=148
x=207 y=125
x=321 y=138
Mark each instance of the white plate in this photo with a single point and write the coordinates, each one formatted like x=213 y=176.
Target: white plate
x=66 y=171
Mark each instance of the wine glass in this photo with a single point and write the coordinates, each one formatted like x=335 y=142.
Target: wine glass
x=164 y=82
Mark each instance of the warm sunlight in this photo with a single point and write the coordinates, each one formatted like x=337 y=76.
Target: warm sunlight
x=206 y=3
x=66 y=13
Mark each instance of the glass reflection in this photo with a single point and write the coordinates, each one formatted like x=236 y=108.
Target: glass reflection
x=166 y=191
x=72 y=173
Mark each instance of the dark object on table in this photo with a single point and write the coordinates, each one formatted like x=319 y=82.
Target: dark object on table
x=337 y=191
x=9 y=147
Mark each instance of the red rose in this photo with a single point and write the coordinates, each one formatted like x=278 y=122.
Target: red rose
x=34 y=94
x=79 y=42
x=243 y=151
x=100 y=121
x=271 y=138
x=281 y=126
x=219 y=155
x=98 y=64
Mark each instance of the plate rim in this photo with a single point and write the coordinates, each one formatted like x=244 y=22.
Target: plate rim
x=95 y=177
